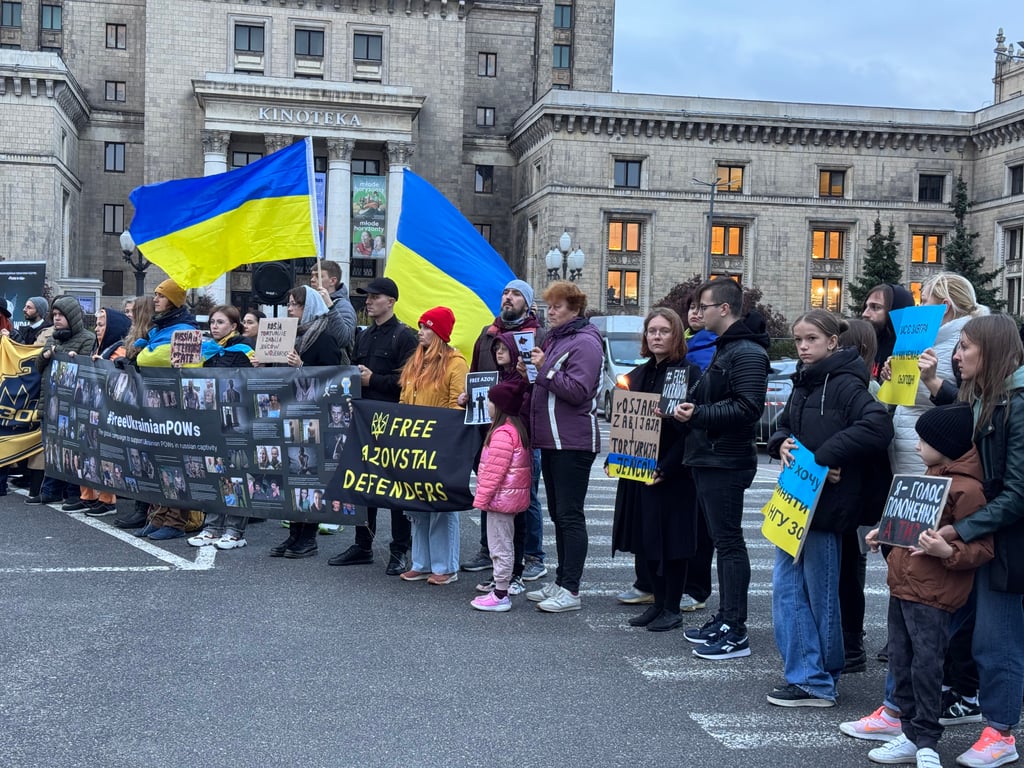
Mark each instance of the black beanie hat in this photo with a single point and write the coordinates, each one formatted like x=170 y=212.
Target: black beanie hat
x=949 y=429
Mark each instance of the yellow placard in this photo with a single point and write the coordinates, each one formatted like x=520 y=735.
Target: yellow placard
x=785 y=521
x=901 y=389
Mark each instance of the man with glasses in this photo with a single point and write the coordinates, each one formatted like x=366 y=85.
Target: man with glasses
x=727 y=401
x=380 y=352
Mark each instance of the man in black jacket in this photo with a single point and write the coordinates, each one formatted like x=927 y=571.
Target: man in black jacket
x=380 y=352
x=881 y=300
x=726 y=404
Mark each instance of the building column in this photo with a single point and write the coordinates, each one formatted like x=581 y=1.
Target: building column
x=399 y=154
x=277 y=141
x=215 y=160
x=338 y=229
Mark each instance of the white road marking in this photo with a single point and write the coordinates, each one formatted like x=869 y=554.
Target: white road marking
x=753 y=730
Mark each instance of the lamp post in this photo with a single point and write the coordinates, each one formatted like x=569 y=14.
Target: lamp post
x=713 y=186
x=564 y=261
x=139 y=264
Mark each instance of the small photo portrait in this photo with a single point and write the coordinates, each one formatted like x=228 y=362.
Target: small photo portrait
x=123 y=388
x=91 y=435
x=305 y=389
x=169 y=398
x=232 y=491
x=233 y=418
x=302 y=430
x=191 y=397
x=317 y=503
x=268 y=488
x=209 y=396
x=94 y=417
x=303 y=460
x=301 y=499
x=152 y=398
x=134 y=461
x=63 y=427
x=229 y=393
x=268 y=457
x=172 y=483
x=341 y=509
x=91 y=470
x=193 y=467
x=339 y=415
x=215 y=465
x=148 y=468
x=131 y=484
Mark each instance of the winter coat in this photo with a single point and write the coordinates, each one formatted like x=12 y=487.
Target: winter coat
x=700 y=347
x=483 y=356
x=505 y=474
x=111 y=346
x=1001 y=445
x=341 y=322
x=230 y=352
x=384 y=349
x=945 y=584
x=729 y=399
x=30 y=335
x=155 y=349
x=76 y=339
x=831 y=412
x=563 y=402
x=902 y=451
x=444 y=393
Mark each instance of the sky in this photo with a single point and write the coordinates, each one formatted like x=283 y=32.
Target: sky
x=900 y=53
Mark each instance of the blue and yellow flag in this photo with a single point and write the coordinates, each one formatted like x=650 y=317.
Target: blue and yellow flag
x=439 y=259
x=198 y=229
x=20 y=436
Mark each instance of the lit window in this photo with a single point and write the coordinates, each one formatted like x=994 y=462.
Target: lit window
x=561 y=56
x=624 y=236
x=52 y=18
x=113 y=157
x=242 y=159
x=726 y=241
x=1017 y=180
x=623 y=287
x=117 y=36
x=367 y=47
x=114 y=90
x=563 y=17
x=826 y=293
x=915 y=291
x=485 y=116
x=484 y=179
x=484 y=230
x=831 y=183
x=930 y=188
x=487 y=64
x=627 y=173
x=730 y=178
x=248 y=38
x=309 y=42
x=113 y=219
x=10 y=14
x=827 y=244
x=926 y=249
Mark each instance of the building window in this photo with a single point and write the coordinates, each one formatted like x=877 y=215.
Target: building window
x=827 y=244
x=1013 y=249
x=915 y=291
x=926 y=249
x=627 y=173
x=113 y=282
x=366 y=167
x=117 y=36
x=484 y=230
x=487 y=64
x=831 y=183
x=561 y=56
x=930 y=188
x=309 y=42
x=485 y=116
x=242 y=159
x=248 y=38
x=113 y=157
x=563 y=17
x=10 y=14
x=1017 y=180
x=114 y=90
x=52 y=19
x=726 y=241
x=624 y=236
x=623 y=287
x=827 y=293
x=484 y=179
x=730 y=178
x=113 y=219
x=1013 y=295
x=367 y=47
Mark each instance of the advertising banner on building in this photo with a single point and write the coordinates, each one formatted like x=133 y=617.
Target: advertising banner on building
x=263 y=440
x=19 y=281
x=369 y=217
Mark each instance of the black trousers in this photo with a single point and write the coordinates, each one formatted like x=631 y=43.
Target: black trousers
x=401 y=531
x=567 y=478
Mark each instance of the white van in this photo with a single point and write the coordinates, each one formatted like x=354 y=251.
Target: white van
x=621 y=336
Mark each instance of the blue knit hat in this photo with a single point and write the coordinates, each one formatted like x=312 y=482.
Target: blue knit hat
x=524 y=288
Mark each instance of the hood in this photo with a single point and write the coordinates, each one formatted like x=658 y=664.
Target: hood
x=341 y=292
x=72 y=310
x=751 y=326
x=845 y=360
x=1016 y=379
x=968 y=465
x=509 y=340
x=901 y=299
x=314 y=306
x=117 y=327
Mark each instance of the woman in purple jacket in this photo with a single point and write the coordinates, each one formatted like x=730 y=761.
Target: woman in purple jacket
x=563 y=425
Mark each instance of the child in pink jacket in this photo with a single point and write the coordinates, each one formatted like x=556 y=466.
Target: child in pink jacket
x=503 y=485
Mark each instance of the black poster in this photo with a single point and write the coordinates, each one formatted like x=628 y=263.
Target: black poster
x=914 y=505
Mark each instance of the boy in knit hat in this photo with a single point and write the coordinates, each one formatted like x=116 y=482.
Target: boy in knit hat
x=927 y=584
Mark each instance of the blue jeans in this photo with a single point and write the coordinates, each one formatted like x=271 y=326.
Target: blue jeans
x=534 y=547
x=58 y=489
x=805 y=612
x=435 y=541
x=998 y=651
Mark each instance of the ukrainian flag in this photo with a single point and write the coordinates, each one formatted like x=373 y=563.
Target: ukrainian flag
x=439 y=259
x=198 y=229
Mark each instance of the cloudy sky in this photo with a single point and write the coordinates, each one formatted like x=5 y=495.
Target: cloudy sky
x=934 y=55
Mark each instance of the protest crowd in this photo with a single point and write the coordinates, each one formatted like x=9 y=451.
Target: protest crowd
x=955 y=645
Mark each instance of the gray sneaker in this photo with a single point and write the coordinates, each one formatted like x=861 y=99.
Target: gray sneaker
x=560 y=603
x=689 y=604
x=542 y=594
x=634 y=596
x=481 y=562
x=516 y=586
x=533 y=570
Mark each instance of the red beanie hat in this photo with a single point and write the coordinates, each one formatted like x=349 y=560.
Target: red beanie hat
x=440 y=320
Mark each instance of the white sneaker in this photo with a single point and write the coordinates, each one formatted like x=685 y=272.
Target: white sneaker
x=563 y=601
x=203 y=538
x=689 y=604
x=516 y=586
x=928 y=758
x=878 y=726
x=899 y=750
x=230 y=542
x=542 y=594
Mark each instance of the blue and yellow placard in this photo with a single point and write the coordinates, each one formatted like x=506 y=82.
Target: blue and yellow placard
x=916 y=330
x=634 y=436
x=787 y=515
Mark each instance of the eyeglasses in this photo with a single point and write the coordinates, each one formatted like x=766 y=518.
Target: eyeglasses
x=702 y=308
x=659 y=331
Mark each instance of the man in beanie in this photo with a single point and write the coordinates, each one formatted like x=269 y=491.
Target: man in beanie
x=515 y=316
x=35 y=312
x=927 y=585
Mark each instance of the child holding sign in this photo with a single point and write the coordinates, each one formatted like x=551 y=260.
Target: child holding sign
x=927 y=584
x=832 y=414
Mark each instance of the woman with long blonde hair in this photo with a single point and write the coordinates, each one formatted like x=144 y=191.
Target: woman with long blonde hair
x=142 y=318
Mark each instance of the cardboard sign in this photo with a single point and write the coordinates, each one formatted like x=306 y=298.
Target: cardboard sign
x=276 y=338
x=916 y=330
x=787 y=515
x=634 y=437
x=673 y=393
x=186 y=348
x=525 y=341
x=914 y=505
x=477 y=387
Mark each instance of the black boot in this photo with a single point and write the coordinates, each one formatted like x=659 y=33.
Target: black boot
x=666 y=620
x=646 y=617
x=856 y=660
x=35 y=478
x=136 y=518
x=305 y=544
x=293 y=536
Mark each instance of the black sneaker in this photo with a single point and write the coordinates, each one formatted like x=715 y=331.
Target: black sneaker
x=956 y=710
x=130 y=520
x=100 y=509
x=354 y=555
x=795 y=696
x=75 y=506
x=481 y=562
x=712 y=629
x=732 y=644
x=397 y=565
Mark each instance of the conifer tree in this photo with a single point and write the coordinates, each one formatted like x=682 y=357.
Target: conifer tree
x=958 y=253
x=881 y=265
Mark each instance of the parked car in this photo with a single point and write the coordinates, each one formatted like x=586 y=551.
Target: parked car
x=780 y=384
x=621 y=336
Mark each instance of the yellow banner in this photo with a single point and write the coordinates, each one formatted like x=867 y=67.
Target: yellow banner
x=20 y=436
x=785 y=521
x=901 y=389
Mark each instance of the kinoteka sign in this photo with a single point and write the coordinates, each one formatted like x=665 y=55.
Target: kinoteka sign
x=309 y=117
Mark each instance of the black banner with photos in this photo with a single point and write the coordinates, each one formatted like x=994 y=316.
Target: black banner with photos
x=265 y=441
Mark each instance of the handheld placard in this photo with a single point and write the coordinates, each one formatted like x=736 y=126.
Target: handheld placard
x=788 y=513
x=914 y=505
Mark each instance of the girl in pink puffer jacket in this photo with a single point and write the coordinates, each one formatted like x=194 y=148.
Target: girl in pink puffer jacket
x=503 y=485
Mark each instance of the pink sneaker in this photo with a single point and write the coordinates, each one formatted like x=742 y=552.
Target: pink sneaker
x=990 y=750
x=878 y=726
x=491 y=602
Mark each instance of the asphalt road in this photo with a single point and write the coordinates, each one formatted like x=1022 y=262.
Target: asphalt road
x=118 y=652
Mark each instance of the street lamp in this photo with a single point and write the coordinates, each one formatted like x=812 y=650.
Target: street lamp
x=139 y=264
x=563 y=262
x=713 y=186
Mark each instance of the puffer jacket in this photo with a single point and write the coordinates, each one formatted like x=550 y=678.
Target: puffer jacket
x=505 y=474
x=945 y=584
x=76 y=339
x=902 y=452
x=444 y=393
x=155 y=349
x=563 y=402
